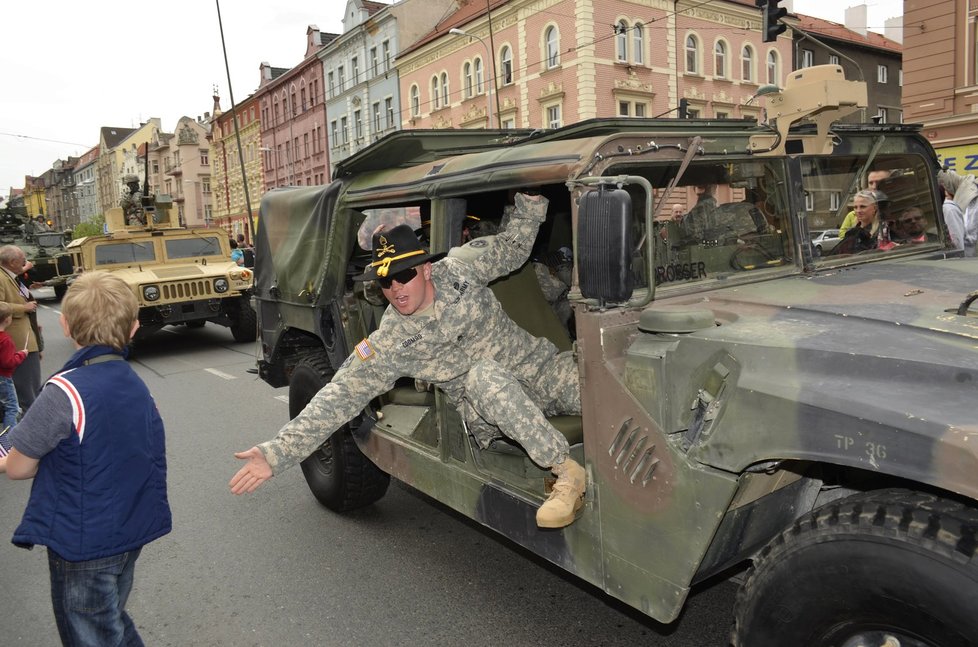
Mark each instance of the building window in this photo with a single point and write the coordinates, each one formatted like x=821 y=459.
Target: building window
x=720 y=59
x=373 y=61
x=553 y=116
x=302 y=98
x=835 y=201
x=386 y=48
x=435 y=93
x=881 y=115
x=415 y=101
x=340 y=78
x=621 y=41
x=881 y=73
x=508 y=124
x=772 y=67
x=833 y=59
x=631 y=108
x=478 y=76
x=624 y=108
x=389 y=108
x=357 y=125
x=638 y=44
x=692 y=55
x=355 y=70
x=809 y=201
x=467 y=79
x=721 y=114
x=345 y=128
x=204 y=157
x=330 y=81
x=444 y=89
x=376 y=113
x=692 y=113
x=807 y=58
x=506 y=64
x=553 y=47
x=205 y=184
x=747 y=64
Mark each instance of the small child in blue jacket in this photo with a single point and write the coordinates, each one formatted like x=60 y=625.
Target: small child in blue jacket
x=93 y=443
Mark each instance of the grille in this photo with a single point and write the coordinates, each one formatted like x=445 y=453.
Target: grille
x=187 y=290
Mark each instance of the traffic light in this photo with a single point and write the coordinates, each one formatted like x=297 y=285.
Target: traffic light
x=771 y=25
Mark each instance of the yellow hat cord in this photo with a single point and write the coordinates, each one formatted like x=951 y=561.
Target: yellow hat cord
x=384 y=264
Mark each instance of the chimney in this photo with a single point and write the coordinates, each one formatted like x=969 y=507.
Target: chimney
x=856 y=19
x=893 y=28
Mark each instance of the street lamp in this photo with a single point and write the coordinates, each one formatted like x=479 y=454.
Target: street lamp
x=491 y=80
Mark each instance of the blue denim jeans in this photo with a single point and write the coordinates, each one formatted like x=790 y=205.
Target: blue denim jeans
x=8 y=399
x=89 y=600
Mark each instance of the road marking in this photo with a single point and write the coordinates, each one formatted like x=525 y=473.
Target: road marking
x=220 y=374
x=283 y=398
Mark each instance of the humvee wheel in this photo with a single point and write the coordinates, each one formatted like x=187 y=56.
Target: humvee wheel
x=338 y=474
x=196 y=323
x=886 y=568
x=245 y=327
x=60 y=290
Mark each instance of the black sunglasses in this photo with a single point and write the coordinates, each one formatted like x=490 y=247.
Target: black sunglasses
x=403 y=277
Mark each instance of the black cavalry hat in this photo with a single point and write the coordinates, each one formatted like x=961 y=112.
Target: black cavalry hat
x=395 y=250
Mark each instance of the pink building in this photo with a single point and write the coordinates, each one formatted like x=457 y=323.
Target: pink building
x=583 y=59
x=293 y=119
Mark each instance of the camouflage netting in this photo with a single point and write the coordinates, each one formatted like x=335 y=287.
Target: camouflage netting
x=292 y=239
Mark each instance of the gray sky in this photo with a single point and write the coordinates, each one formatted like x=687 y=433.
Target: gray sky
x=72 y=67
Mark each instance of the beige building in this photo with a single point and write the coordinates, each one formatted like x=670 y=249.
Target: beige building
x=116 y=146
x=229 y=199
x=940 y=82
x=180 y=168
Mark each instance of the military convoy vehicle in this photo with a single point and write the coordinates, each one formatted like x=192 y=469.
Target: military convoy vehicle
x=180 y=275
x=44 y=248
x=745 y=402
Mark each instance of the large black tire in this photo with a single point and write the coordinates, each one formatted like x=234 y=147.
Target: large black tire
x=245 y=326
x=60 y=290
x=891 y=567
x=338 y=474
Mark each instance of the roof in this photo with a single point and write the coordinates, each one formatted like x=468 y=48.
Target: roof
x=113 y=136
x=373 y=7
x=835 y=31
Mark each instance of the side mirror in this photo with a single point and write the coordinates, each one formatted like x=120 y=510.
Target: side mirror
x=604 y=245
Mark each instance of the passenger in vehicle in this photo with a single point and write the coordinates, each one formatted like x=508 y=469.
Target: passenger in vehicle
x=446 y=327
x=870 y=229
x=700 y=223
x=909 y=227
x=873 y=179
x=961 y=210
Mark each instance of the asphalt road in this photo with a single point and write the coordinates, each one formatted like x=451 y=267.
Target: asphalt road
x=276 y=569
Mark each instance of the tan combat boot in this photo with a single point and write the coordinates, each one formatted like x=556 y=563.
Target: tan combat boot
x=566 y=498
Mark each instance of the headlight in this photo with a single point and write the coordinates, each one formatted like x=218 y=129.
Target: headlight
x=151 y=293
x=221 y=285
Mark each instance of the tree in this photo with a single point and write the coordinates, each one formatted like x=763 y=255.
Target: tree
x=92 y=227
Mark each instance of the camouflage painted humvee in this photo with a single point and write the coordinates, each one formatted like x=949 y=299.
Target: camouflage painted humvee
x=179 y=275
x=744 y=401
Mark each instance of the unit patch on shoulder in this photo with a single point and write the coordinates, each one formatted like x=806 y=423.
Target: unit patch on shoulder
x=364 y=350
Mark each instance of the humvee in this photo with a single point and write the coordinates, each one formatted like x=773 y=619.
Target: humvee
x=745 y=402
x=44 y=249
x=180 y=275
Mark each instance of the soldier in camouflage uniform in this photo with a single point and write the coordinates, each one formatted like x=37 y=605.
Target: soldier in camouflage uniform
x=445 y=326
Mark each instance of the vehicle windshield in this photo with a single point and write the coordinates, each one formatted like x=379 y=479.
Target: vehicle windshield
x=891 y=204
x=721 y=219
x=113 y=253
x=193 y=247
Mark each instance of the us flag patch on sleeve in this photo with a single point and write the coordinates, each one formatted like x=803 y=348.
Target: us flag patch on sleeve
x=364 y=351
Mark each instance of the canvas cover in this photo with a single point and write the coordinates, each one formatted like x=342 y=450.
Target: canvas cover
x=292 y=240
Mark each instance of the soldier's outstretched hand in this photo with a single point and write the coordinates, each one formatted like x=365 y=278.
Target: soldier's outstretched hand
x=255 y=472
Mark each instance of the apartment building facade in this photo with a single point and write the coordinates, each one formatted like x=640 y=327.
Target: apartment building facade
x=941 y=77
x=234 y=191
x=292 y=114
x=114 y=144
x=86 y=194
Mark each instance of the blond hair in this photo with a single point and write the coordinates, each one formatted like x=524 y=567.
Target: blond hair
x=5 y=311
x=100 y=309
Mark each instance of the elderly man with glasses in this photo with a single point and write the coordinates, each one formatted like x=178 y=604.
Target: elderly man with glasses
x=445 y=326
x=27 y=376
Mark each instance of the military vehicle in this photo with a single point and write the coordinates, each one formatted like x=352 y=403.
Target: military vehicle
x=745 y=403
x=180 y=275
x=44 y=248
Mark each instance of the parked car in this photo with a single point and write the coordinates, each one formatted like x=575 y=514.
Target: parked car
x=824 y=241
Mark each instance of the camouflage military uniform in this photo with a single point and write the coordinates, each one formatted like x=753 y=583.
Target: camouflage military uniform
x=500 y=377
